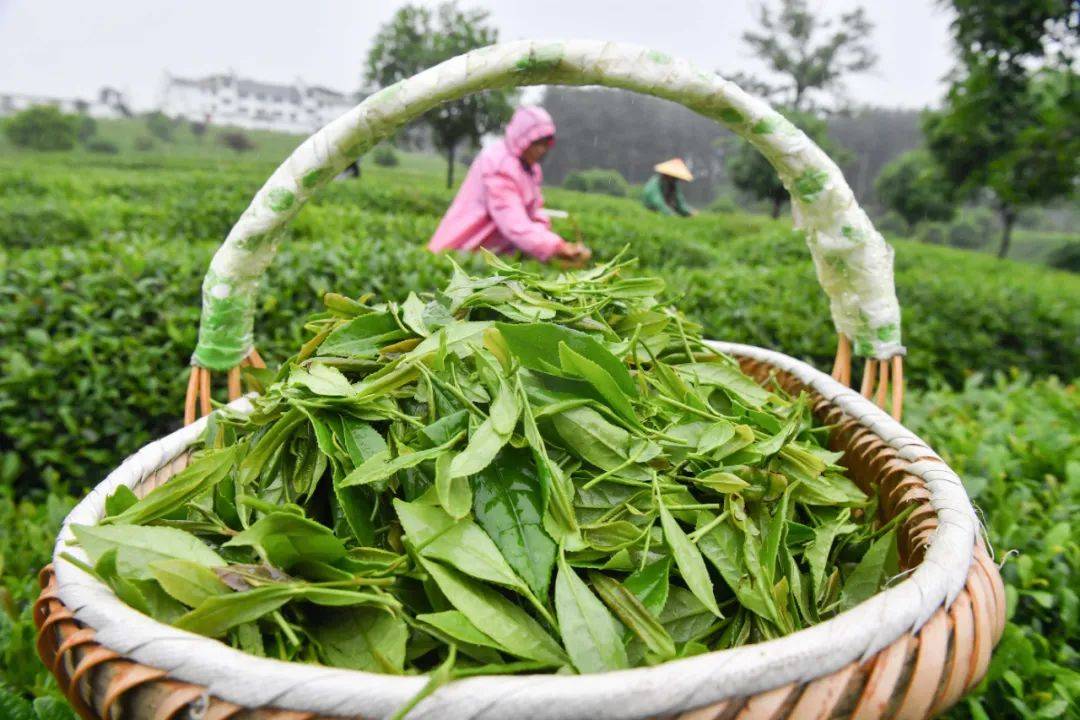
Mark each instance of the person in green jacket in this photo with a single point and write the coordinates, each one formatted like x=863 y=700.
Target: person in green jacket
x=663 y=192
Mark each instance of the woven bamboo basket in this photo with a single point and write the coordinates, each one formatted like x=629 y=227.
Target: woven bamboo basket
x=909 y=652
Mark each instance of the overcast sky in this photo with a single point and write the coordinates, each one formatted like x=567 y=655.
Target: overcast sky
x=70 y=48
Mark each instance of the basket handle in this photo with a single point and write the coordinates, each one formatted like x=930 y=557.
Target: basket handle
x=854 y=263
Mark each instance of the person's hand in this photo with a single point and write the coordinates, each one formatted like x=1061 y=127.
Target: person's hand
x=573 y=255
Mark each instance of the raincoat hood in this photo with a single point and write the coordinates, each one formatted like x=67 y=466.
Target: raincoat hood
x=529 y=124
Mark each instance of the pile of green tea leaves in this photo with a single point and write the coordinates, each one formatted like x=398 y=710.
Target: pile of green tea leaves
x=516 y=474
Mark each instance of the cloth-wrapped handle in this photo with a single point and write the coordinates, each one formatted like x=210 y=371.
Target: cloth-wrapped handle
x=854 y=263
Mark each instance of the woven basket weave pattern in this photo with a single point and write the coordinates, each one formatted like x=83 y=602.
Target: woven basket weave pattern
x=915 y=677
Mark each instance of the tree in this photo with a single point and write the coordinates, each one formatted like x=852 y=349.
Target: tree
x=1009 y=122
x=160 y=125
x=417 y=38
x=915 y=188
x=812 y=53
x=86 y=128
x=752 y=173
x=43 y=127
x=236 y=140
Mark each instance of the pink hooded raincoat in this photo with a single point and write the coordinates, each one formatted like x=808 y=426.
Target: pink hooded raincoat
x=498 y=205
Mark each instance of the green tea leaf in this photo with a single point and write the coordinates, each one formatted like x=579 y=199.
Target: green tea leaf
x=723 y=547
x=455 y=493
x=633 y=614
x=361 y=638
x=490 y=436
x=454 y=624
x=817 y=552
x=727 y=377
x=218 y=613
x=459 y=543
x=650 y=584
x=592 y=438
x=362 y=336
x=412 y=314
x=445 y=428
x=536 y=345
x=775 y=537
x=721 y=481
x=322 y=380
x=381 y=466
x=685 y=617
x=612 y=536
x=589 y=632
x=509 y=507
x=121 y=499
x=188 y=582
x=138 y=547
x=576 y=364
x=688 y=560
x=869 y=574
x=125 y=589
x=505 y=623
x=285 y=539
x=206 y=471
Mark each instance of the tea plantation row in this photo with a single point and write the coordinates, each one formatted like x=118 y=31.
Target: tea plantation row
x=95 y=331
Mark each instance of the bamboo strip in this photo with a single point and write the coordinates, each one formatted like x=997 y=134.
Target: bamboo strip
x=868 y=378
x=898 y=387
x=883 y=382
x=204 y=392
x=192 y=391
x=234 y=383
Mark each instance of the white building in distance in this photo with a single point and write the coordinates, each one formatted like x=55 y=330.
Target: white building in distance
x=110 y=103
x=226 y=99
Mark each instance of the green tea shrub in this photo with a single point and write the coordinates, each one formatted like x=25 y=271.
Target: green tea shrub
x=1016 y=443
x=384 y=156
x=43 y=128
x=32 y=224
x=724 y=204
x=237 y=141
x=27 y=532
x=103 y=147
x=933 y=233
x=96 y=330
x=891 y=224
x=597 y=180
x=1066 y=257
x=967 y=235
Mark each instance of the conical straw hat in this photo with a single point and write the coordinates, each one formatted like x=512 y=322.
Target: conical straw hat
x=676 y=168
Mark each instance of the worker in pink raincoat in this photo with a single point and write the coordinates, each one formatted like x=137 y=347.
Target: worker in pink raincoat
x=499 y=204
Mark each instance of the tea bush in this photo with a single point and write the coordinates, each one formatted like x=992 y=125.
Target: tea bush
x=1016 y=444
x=603 y=182
x=384 y=156
x=96 y=328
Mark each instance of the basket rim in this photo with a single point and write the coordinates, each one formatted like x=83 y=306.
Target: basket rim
x=663 y=689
